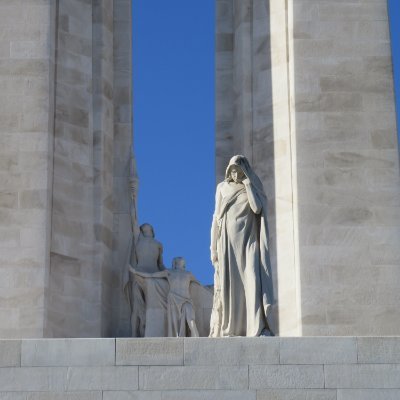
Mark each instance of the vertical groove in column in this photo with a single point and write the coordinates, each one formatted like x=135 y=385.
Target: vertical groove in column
x=292 y=173
x=242 y=70
x=46 y=330
x=250 y=156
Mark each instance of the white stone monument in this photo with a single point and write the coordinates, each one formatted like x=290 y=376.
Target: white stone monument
x=304 y=91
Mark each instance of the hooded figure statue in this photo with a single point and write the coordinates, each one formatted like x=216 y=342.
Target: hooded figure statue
x=243 y=292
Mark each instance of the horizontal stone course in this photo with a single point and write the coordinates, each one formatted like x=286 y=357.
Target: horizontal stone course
x=318 y=350
x=149 y=351
x=378 y=350
x=102 y=378
x=97 y=395
x=208 y=395
x=67 y=352
x=296 y=394
x=190 y=377
x=231 y=351
x=310 y=368
x=10 y=353
x=286 y=376
x=181 y=395
x=371 y=376
x=39 y=379
x=368 y=394
x=129 y=395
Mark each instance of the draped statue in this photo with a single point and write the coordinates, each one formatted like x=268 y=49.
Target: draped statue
x=239 y=252
x=146 y=257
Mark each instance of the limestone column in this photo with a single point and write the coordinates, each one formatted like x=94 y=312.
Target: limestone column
x=305 y=90
x=347 y=167
x=124 y=166
x=66 y=136
x=253 y=118
x=91 y=224
x=26 y=147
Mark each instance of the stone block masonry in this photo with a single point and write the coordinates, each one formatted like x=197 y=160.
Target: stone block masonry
x=65 y=156
x=304 y=89
x=305 y=368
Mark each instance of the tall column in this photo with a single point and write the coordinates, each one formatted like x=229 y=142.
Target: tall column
x=74 y=285
x=124 y=170
x=66 y=135
x=92 y=156
x=252 y=103
x=347 y=167
x=305 y=90
x=27 y=49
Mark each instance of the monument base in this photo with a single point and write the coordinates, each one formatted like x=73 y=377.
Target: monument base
x=304 y=368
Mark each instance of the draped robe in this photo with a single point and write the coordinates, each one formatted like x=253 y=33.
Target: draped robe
x=243 y=282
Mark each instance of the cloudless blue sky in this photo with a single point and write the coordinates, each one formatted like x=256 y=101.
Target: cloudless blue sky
x=173 y=62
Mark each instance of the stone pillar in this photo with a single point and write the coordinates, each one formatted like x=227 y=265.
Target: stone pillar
x=253 y=118
x=347 y=167
x=91 y=178
x=305 y=90
x=27 y=48
x=75 y=279
x=65 y=75
x=124 y=171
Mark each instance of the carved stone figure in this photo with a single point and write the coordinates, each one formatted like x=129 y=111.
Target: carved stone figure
x=146 y=257
x=180 y=310
x=240 y=254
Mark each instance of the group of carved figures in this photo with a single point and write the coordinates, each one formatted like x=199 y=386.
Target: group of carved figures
x=243 y=293
x=169 y=290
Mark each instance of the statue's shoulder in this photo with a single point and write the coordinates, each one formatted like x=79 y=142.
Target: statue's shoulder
x=159 y=244
x=224 y=189
x=222 y=185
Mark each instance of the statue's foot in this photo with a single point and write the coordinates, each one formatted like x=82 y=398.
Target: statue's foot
x=266 y=333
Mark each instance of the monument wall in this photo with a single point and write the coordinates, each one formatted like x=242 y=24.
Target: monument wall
x=351 y=368
x=65 y=198
x=304 y=89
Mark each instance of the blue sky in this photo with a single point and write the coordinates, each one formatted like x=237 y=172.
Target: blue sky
x=173 y=44
x=173 y=61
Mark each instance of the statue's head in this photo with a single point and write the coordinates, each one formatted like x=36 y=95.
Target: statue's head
x=236 y=173
x=237 y=169
x=147 y=230
x=179 y=263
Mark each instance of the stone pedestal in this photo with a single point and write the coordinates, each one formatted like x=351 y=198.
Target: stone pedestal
x=350 y=368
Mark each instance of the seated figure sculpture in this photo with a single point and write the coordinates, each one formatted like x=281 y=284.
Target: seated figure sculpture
x=180 y=310
x=146 y=257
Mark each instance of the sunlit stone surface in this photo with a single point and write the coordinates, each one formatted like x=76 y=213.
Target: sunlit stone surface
x=66 y=136
x=201 y=368
x=305 y=92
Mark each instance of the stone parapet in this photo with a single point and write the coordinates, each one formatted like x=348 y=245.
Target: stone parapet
x=308 y=368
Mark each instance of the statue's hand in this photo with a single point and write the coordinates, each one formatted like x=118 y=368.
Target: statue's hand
x=246 y=181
